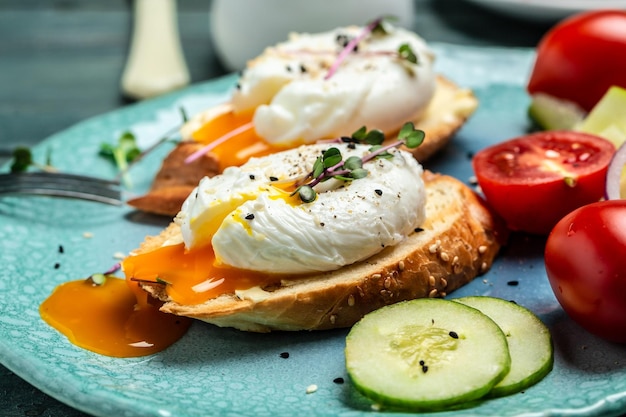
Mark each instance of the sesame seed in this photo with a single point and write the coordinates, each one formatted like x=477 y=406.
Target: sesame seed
x=455 y=260
x=444 y=282
x=284 y=355
x=61 y=250
x=57 y=265
x=482 y=249
x=339 y=380
x=250 y=216
x=273 y=178
x=513 y=283
x=377 y=276
x=453 y=335
x=431 y=281
x=432 y=293
x=351 y=300
x=378 y=192
x=87 y=235
x=387 y=283
x=401 y=266
x=252 y=176
x=311 y=389
x=418 y=229
x=332 y=318
x=484 y=266
x=444 y=256
x=433 y=248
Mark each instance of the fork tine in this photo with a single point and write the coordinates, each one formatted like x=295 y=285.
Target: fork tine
x=62 y=185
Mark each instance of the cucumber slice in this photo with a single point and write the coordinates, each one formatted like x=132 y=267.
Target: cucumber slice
x=551 y=113
x=530 y=343
x=607 y=118
x=426 y=354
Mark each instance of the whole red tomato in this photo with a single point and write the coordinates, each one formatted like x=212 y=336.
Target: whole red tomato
x=585 y=260
x=533 y=181
x=581 y=57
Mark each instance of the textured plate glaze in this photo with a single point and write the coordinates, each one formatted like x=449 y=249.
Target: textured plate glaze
x=214 y=371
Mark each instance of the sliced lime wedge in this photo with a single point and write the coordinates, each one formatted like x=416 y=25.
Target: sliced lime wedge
x=608 y=117
x=551 y=113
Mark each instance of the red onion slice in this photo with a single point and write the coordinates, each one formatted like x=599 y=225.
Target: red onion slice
x=614 y=174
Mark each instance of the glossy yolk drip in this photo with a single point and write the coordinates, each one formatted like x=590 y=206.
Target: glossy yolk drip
x=112 y=319
x=241 y=147
x=191 y=277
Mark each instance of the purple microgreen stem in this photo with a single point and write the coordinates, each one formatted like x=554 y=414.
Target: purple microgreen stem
x=208 y=148
x=351 y=46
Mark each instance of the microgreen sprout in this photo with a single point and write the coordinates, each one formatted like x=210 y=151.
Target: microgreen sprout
x=331 y=164
x=121 y=153
x=23 y=159
x=100 y=278
x=376 y=26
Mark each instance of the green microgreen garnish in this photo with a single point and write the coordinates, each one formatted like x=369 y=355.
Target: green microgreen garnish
x=331 y=164
x=23 y=159
x=122 y=153
x=376 y=27
x=100 y=278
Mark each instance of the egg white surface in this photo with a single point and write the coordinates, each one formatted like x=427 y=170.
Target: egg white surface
x=251 y=225
x=293 y=103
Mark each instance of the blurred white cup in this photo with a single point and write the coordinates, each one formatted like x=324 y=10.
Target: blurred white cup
x=242 y=29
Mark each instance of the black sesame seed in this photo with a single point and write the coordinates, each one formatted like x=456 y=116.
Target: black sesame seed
x=288 y=68
x=339 y=380
x=454 y=335
x=513 y=283
x=322 y=224
x=351 y=145
x=273 y=179
x=61 y=250
x=238 y=86
x=379 y=192
x=424 y=368
x=418 y=229
x=57 y=265
x=251 y=176
x=250 y=216
x=302 y=68
x=422 y=363
x=284 y=355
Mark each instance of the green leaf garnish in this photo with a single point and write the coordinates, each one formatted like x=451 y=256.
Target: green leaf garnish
x=405 y=52
x=22 y=159
x=331 y=163
x=122 y=153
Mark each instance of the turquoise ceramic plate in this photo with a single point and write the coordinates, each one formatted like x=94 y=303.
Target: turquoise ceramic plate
x=214 y=371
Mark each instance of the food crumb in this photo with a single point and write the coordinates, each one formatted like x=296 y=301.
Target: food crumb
x=376 y=407
x=119 y=255
x=311 y=389
x=87 y=235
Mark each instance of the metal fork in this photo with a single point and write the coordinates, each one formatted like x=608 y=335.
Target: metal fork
x=62 y=185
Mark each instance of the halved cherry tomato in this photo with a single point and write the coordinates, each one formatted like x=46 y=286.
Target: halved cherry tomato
x=534 y=180
x=581 y=57
x=585 y=258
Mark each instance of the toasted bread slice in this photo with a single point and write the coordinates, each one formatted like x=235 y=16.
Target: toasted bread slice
x=458 y=242
x=446 y=113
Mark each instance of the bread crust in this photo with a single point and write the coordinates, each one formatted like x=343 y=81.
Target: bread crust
x=458 y=241
x=448 y=110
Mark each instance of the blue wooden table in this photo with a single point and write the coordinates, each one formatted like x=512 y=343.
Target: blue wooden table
x=61 y=61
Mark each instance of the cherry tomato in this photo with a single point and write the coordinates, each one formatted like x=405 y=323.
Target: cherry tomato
x=581 y=57
x=534 y=180
x=585 y=259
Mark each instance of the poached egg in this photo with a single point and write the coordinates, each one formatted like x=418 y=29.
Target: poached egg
x=295 y=100
x=251 y=221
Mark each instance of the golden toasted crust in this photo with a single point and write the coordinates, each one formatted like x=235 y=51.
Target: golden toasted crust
x=458 y=242
x=446 y=113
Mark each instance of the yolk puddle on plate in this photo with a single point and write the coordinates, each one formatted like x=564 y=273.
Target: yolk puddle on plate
x=241 y=147
x=111 y=319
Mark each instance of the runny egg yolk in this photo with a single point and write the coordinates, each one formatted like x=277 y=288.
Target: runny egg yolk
x=191 y=277
x=241 y=147
x=112 y=319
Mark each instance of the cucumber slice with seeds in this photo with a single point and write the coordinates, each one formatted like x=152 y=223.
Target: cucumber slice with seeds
x=530 y=343
x=426 y=354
